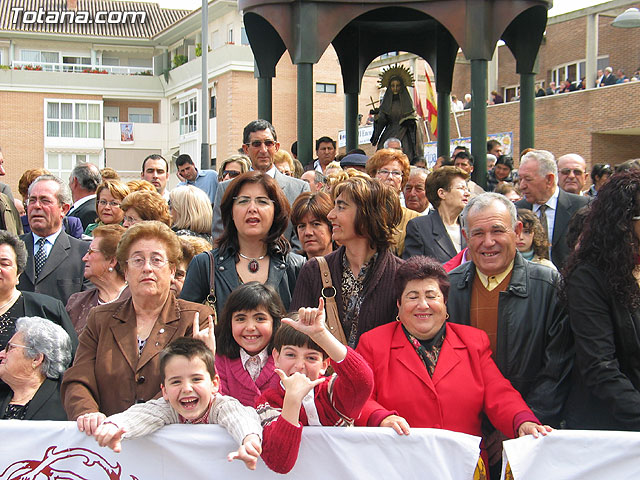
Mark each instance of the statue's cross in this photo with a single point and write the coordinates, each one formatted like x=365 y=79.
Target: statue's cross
x=373 y=102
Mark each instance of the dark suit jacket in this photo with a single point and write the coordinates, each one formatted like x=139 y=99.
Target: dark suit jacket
x=46 y=404
x=63 y=272
x=568 y=204
x=86 y=213
x=427 y=235
x=44 y=306
x=292 y=187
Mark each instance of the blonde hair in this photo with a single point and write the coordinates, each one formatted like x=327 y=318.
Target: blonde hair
x=282 y=156
x=141 y=185
x=191 y=209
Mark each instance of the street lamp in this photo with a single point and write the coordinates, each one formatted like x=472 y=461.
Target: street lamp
x=628 y=19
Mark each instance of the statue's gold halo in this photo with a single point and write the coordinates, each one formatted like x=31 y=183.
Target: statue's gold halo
x=396 y=71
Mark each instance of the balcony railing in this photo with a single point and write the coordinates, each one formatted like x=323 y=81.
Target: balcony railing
x=80 y=68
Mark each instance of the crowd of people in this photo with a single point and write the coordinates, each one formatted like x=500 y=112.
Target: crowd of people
x=361 y=291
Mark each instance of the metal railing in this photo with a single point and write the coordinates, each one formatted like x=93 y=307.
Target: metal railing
x=80 y=68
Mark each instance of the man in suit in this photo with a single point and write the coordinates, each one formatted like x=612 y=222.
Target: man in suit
x=84 y=181
x=609 y=78
x=55 y=265
x=515 y=302
x=555 y=207
x=260 y=143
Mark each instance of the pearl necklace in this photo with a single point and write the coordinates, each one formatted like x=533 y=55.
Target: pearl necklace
x=253 y=265
x=13 y=298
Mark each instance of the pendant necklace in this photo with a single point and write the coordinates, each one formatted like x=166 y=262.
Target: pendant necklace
x=253 y=265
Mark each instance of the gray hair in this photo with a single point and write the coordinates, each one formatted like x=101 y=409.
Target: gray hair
x=390 y=140
x=8 y=238
x=415 y=171
x=484 y=201
x=491 y=158
x=88 y=176
x=546 y=162
x=44 y=337
x=320 y=178
x=63 y=195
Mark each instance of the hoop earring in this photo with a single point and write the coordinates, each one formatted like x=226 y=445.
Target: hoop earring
x=397 y=318
x=447 y=317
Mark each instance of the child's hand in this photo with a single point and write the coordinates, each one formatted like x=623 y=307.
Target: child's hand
x=109 y=435
x=298 y=385
x=207 y=335
x=311 y=321
x=89 y=422
x=399 y=424
x=531 y=428
x=248 y=452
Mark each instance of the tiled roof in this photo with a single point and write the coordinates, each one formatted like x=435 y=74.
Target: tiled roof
x=157 y=19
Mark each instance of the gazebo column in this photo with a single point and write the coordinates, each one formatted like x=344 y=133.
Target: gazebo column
x=527 y=112
x=444 y=112
x=305 y=112
x=265 y=98
x=479 y=93
x=351 y=120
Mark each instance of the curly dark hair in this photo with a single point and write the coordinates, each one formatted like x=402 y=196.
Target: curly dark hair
x=608 y=241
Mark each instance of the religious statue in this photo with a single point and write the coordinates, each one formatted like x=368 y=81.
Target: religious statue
x=396 y=116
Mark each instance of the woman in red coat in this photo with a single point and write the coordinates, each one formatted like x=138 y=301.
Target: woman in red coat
x=434 y=374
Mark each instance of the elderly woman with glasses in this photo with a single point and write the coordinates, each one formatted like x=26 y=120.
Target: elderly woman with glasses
x=31 y=365
x=118 y=358
x=109 y=197
x=255 y=214
x=392 y=168
x=101 y=268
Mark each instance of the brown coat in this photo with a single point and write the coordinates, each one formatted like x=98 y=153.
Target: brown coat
x=108 y=375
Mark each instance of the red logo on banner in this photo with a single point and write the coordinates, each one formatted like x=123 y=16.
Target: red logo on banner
x=68 y=464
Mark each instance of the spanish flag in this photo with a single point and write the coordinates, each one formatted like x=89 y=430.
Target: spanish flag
x=432 y=106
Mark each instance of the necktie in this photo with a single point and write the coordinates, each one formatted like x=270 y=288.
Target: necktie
x=40 y=256
x=543 y=220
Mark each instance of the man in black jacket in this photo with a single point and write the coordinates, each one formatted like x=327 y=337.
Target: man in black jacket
x=84 y=181
x=515 y=302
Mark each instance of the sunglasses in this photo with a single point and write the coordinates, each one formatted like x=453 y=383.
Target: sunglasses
x=231 y=173
x=258 y=143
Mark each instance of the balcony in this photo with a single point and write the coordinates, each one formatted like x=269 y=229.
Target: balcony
x=80 y=68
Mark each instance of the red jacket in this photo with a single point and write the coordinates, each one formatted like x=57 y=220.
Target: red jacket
x=465 y=383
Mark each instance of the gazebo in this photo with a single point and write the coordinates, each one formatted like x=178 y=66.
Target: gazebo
x=361 y=30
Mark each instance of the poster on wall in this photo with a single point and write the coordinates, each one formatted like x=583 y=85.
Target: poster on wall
x=431 y=148
x=126 y=133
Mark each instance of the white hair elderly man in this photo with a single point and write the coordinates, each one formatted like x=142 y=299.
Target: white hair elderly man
x=515 y=302
x=553 y=206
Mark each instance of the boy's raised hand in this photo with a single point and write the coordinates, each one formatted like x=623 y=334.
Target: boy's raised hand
x=109 y=435
x=311 y=321
x=207 y=335
x=297 y=385
x=248 y=452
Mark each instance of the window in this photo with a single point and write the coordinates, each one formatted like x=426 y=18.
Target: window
x=215 y=39
x=81 y=62
x=73 y=119
x=576 y=71
x=38 y=57
x=140 y=115
x=244 y=40
x=111 y=114
x=326 y=87
x=389 y=55
x=111 y=61
x=213 y=107
x=230 y=33
x=188 y=116
x=61 y=164
x=512 y=94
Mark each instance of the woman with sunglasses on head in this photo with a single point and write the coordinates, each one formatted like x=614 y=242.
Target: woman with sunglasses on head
x=233 y=167
x=255 y=214
x=117 y=363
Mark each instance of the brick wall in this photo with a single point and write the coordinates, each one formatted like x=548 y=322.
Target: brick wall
x=575 y=123
x=22 y=131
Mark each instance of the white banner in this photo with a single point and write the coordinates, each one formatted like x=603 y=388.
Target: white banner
x=56 y=450
x=575 y=455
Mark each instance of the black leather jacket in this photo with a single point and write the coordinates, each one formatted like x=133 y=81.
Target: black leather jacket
x=534 y=348
x=283 y=272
